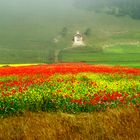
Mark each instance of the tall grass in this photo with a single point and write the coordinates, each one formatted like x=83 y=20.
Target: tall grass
x=113 y=124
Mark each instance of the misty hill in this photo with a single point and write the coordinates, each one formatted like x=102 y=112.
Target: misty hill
x=28 y=30
x=114 y=7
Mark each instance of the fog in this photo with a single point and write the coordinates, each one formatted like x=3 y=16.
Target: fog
x=34 y=30
x=34 y=6
x=56 y=7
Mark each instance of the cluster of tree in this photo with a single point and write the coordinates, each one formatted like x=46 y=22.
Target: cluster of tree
x=115 y=7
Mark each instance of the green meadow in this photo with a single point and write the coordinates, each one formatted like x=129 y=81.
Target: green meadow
x=30 y=39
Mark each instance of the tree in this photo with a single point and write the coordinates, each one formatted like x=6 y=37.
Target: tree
x=64 y=32
x=87 y=32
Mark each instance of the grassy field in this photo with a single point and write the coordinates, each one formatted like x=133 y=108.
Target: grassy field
x=113 y=124
x=126 y=55
x=30 y=38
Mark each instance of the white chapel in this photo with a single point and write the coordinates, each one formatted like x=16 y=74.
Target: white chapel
x=78 y=39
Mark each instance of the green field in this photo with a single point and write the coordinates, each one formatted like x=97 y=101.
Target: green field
x=125 y=55
x=29 y=37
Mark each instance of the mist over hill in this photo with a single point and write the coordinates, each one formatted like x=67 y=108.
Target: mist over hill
x=29 y=29
x=34 y=6
x=114 y=7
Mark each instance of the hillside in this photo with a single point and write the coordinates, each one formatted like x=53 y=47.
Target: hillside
x=28 y=37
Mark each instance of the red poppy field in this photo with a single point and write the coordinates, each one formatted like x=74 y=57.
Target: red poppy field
x=70 y=88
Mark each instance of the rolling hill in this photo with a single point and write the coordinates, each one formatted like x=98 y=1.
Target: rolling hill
x=28 y=37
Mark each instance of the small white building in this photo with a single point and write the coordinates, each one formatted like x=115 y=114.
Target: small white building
x=78 y=40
